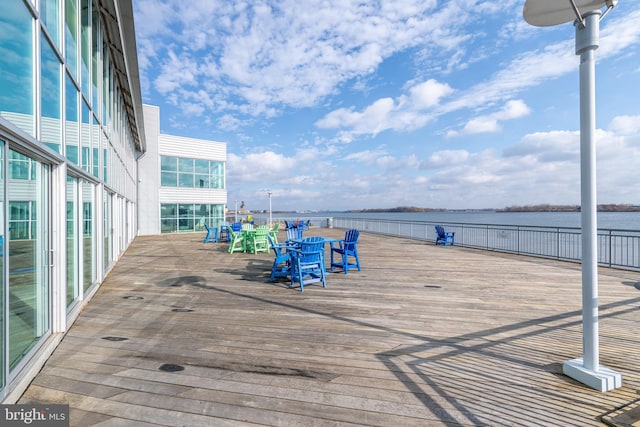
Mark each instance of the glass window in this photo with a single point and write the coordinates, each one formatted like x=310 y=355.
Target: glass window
x=88 y=236
x=201 y=178
x=169 y=163
x=29 y=276
x=202 y=166
x=105 y=164
x=106 y=116
x=20 y=167
x=185 y=180
x=71 y=36
x=85 y=139
x=85 y=46
x=4 y=253
x=168 y=218
x=50 y=94
x=168 y=171
x=95 y=149
x=185 y=218
x=73 y=242
x=186 y=165
x=95 y=56
x=50 y=15
x=71 y=122
x=107 y=232
x=217 y=174
x=193 y=173
x=189 y=217
x=168 y=179
x=16 y=67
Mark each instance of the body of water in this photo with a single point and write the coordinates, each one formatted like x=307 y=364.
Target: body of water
x=608 y=220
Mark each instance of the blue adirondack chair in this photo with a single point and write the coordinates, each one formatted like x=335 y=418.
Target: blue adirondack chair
x=444 y=238
x=307 y=263
x=222 y=233
x=282 y=261
x=346 y=248
x=212 y=234
x=294 y=233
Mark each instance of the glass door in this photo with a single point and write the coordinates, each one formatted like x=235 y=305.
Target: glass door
x=29 y=258
x=73 y=241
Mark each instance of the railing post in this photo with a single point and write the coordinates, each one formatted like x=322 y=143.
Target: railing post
x=610 y=245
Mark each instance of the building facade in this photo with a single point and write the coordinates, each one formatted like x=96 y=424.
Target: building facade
x=71 y=131
x=182 y=184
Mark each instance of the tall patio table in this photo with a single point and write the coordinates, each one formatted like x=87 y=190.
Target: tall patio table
x=325 y=240
x=248 y=235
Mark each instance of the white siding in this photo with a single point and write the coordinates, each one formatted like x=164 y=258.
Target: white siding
x=151 y=195
x=178 y=146
x=209 y=196
x=149 y=176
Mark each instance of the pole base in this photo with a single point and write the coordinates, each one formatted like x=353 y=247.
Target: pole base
x=604 y=379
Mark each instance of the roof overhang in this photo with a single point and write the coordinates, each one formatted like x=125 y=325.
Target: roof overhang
x=119 y=28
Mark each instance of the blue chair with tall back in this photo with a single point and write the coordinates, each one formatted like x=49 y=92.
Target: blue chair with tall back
x=307 y=263
x=222 y=233
x=346 y=248
x=444 y=238
x=293 y=234
x=282 y=261
x=212 y=234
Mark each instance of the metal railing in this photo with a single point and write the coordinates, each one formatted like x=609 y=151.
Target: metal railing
x=616 y=248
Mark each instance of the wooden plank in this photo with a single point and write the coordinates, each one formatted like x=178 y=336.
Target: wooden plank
x=455 y=337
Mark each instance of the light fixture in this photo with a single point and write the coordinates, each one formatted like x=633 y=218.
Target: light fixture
x=586 y=15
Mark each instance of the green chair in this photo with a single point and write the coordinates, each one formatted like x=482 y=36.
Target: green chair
x=274 y=232
x=259 y=242
x=237 y=241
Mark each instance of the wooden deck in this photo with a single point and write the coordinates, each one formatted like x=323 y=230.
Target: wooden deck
x=422 y=336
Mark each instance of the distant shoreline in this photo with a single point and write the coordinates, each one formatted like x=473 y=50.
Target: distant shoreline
x=533 y=208
x=510 y=209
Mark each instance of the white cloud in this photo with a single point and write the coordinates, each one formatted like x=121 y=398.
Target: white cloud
x=401 y=114
x=429 y=93
x=625 y=125
x=288 y=53
x=490 y=123
x=446 y=158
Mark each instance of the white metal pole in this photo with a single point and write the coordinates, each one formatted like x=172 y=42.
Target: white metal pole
x=270 y=222
x=587 y=39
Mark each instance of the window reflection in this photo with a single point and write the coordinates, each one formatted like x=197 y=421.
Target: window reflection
x=16 y=68
x=88 y=234
x=72 y=122
x=186 y=217
x=73 y=254
x=29 y=274
x=51 y=89
x=71 y=36
x=50 y=15
x=193 y=173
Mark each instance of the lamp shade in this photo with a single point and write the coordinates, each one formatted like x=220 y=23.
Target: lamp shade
x=545 y=13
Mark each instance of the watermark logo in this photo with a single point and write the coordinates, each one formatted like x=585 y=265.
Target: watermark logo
x=34 y=415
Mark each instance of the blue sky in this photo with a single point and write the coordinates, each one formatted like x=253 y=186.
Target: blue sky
x=340 y=104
